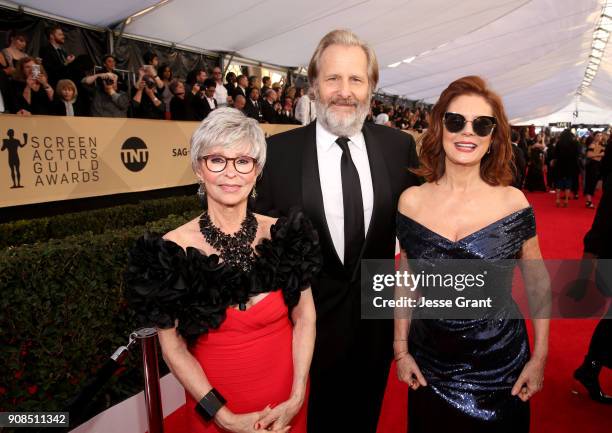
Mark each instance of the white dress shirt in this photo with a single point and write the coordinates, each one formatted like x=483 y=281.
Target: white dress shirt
x=305 y=110
x=221 y=95
x=329 y=154
x=211 y=103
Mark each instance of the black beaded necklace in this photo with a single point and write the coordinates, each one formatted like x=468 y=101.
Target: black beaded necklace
x=235 y=250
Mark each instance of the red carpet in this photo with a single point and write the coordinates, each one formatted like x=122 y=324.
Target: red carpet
x=555 y=409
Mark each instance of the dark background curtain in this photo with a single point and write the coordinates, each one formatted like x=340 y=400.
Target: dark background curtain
x=93 y=44
x=79 y=41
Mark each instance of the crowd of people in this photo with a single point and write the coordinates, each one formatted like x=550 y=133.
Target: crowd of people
x=60 y=83
x=562 y=162
x=399 y=116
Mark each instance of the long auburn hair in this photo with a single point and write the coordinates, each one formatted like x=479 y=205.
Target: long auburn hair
x=496 y=167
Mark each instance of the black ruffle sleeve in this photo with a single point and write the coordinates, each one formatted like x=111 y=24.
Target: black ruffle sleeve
x=165 y=284
x=291 y=258
x=154 y=282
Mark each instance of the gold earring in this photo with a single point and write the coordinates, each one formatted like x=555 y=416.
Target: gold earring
x=253 y=194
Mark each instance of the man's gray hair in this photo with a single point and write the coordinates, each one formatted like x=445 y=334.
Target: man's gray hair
x=228 y=128
x=347 y=39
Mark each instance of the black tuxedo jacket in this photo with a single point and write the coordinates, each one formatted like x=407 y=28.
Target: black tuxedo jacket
x=200 y=106
x=206 y=107
x=287 y=119
x=268 y=113
x=58 y=108
x=291 y=178
x=252 y=111
x=238 y=91
x=183 y=109
x=55 y=67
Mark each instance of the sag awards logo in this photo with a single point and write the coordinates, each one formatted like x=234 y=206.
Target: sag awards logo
x=55 y=160
x=134 y=154
x=12 y=145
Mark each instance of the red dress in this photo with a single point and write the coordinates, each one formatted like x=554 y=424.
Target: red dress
x=249 y=361
x=246 y=355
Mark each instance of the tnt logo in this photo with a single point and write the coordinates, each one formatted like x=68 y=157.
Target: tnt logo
x=134 y=154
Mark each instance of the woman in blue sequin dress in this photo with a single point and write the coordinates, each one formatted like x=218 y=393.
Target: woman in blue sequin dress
x=475 y=374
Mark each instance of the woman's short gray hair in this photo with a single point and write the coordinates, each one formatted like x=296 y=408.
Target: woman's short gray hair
x=228 y=128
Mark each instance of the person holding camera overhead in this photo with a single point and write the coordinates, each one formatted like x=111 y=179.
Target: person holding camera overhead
x=147 y=101
x=30 y=88
x=107 y=99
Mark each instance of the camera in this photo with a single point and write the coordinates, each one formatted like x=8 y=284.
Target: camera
x=150 y=82
x=35 y=71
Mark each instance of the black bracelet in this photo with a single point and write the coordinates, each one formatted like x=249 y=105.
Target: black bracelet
x=210 y=404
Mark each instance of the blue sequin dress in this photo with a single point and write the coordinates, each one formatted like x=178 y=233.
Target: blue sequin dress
x=470 y=365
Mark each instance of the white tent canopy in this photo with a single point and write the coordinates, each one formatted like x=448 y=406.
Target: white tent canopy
x=583 y=113
x=533 y=52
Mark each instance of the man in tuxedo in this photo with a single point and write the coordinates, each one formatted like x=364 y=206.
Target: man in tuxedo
x=55 y=58
x=209 y=103
x=241 y=86
x=253 y=106
x=267 y=107
x=347 y=177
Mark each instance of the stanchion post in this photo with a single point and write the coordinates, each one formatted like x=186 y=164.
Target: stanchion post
x=152 y=392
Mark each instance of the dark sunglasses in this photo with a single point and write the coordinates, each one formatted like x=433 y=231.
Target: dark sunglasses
x=482 y=125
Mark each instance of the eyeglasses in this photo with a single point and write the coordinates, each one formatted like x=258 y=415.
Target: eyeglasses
x=217 y=163
x=482 y=125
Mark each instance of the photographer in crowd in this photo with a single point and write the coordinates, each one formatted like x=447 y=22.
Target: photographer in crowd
x=109 y=64
x=30 y=89
x=107 y=100
x=196 y=77
x=146 y=100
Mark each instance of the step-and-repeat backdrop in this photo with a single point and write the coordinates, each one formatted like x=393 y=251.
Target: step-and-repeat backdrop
x=49 y=158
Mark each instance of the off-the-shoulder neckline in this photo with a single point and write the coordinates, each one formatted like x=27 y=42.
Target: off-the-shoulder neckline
x=474 y=233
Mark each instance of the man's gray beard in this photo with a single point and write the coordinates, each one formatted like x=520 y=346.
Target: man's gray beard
x=342 y=126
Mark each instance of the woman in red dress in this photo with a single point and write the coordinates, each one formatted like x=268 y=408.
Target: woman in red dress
x=230 y=292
